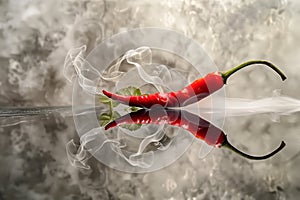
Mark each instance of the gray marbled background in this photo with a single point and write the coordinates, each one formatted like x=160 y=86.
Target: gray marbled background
x=34 y=39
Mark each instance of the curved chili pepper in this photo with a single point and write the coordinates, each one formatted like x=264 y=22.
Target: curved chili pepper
x=192 y=93
x=199 y=127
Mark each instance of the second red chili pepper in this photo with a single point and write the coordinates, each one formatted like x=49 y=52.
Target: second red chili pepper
x=194 y=92
x=199 y=127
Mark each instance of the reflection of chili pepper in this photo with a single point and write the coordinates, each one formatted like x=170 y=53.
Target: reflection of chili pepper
x=199 y=127
x=194 y=92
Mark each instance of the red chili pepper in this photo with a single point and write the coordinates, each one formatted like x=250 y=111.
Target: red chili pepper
x=194 y=92
x=199 y=127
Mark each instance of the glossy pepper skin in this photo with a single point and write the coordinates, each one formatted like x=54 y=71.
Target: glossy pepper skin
x=197 y=126
x=192 y=93
x=180 y=118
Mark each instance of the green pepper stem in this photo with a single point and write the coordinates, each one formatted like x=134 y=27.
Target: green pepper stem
x=227 y=74
x=229 y=146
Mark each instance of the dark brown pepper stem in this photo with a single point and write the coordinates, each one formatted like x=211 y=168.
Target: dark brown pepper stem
x=229 y=146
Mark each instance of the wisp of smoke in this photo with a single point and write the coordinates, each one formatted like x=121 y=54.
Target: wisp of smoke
x=89 y=79
x=160 y=78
